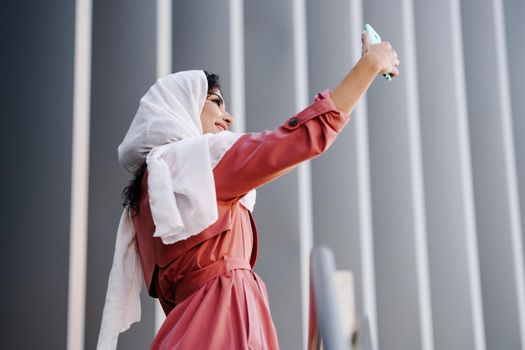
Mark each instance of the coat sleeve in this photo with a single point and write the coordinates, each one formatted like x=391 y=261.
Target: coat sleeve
x=258 y=158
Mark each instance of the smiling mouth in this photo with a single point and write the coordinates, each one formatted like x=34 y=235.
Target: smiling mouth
x=221 y=127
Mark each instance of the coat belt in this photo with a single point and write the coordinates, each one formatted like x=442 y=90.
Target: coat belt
x=194 y=280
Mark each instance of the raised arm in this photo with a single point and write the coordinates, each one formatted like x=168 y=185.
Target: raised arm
x=375 y=59
x=258 y=158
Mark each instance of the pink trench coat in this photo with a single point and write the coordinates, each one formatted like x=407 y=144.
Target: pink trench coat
x=206 y=286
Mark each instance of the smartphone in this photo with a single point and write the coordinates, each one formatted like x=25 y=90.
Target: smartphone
x=374 y=38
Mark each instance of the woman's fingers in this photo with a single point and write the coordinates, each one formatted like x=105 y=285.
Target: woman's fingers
x=394 y=73
x=384 y=52
x=396 y=62
x=364 y=38
x=364 y=42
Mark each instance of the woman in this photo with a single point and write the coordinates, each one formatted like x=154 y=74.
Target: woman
x=188 y=209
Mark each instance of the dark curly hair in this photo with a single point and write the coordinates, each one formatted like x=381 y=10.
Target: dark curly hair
x=131 y=194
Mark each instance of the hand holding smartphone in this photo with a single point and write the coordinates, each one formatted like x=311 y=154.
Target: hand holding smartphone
x=374 y=38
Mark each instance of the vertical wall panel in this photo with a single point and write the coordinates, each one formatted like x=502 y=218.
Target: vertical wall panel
x=269 y=102
x=123 y=68
x=201 y=39
x=454 y=269
x=164 y=45
x=495 y=184
x=398 y=210
x=341 y=186
x=334 y=175
x=515 y=30
x=304 y=181
x=36 y=71
x=363 y=186
x=237 y=73
x=79 y=177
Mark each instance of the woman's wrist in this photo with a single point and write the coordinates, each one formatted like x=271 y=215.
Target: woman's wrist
x=348 y=92
x=372 y=61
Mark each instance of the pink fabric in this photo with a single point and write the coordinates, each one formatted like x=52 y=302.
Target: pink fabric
x=212 y=298
x=228 y=308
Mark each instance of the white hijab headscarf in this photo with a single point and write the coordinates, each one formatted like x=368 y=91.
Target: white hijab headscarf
x=166 y=133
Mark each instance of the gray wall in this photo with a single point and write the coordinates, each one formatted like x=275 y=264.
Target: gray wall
x=446 y=164
x=270 y=95
x=37 y=100
x=334 y=177
x=493 y=165
x=514 y=29
x=201 y=38
x=442 y=147
x=123 y=68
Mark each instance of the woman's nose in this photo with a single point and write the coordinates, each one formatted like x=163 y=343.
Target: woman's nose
x=228 y=118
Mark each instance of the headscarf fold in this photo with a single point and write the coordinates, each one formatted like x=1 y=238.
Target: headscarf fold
x=167 y=134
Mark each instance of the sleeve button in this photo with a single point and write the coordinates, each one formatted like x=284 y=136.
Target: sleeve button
x=293 y=122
